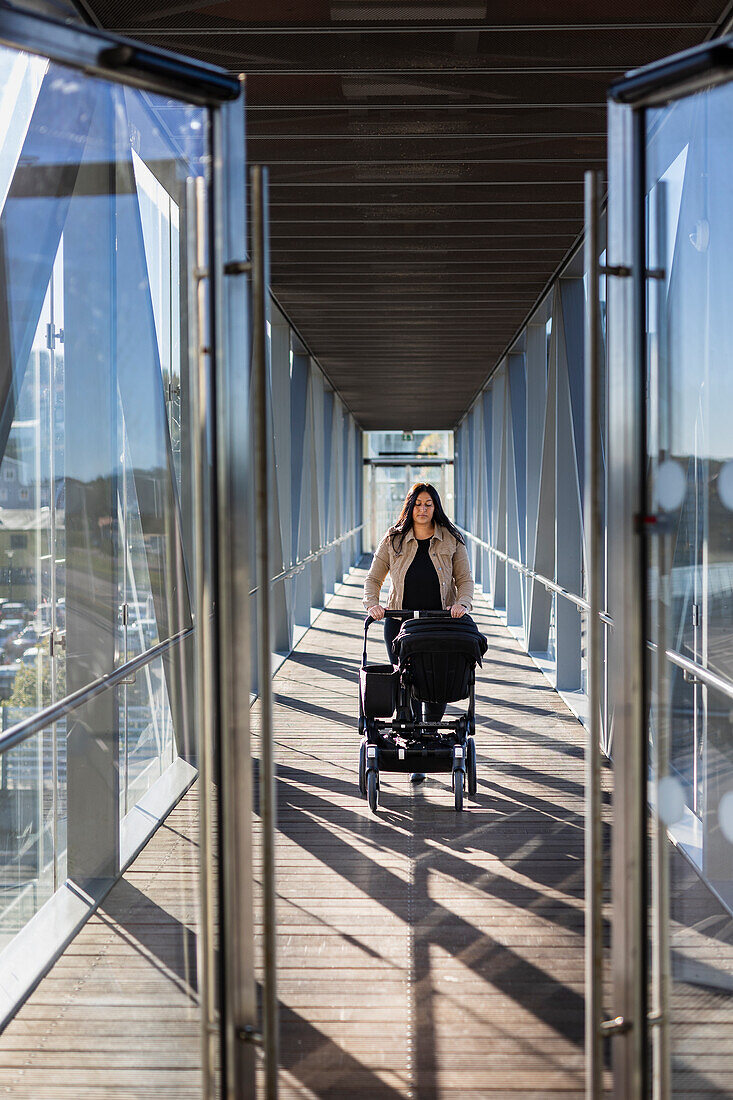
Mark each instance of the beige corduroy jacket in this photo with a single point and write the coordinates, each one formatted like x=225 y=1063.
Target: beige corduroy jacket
x=448 y=555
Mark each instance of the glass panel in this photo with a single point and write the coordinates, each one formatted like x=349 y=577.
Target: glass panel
x=408 y=443
x=138 y=628
x=94 y=356
x=385 y=487
x=32 y=825
x=147 y=744
x=389 y=485
x=32 y=516
x=690 y=461
x=551 y=633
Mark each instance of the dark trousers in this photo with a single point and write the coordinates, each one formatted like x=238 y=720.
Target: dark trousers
x=433 y=711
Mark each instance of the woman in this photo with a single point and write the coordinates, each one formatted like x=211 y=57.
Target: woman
x=425 y=556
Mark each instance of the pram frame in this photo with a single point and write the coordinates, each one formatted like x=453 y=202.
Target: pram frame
x=400 y=745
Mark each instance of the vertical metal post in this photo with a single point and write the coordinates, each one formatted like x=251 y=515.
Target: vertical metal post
x=205 y=633
x=125 y=618
x=661 y=550
x=640 y=1028
x=231 y=377
x=628 y=596
x=258 y=191
x=51 y=548
x=594 y=549
x=40 y=659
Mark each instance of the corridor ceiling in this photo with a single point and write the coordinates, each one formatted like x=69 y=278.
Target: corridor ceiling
x=426 y=165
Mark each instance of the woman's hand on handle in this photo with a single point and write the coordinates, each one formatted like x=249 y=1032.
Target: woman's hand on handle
x=457 y=611
x=377 y=612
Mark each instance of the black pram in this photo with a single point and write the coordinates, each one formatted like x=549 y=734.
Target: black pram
x=437 y=658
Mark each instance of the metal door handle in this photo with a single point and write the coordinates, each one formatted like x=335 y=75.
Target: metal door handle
x=261 y=408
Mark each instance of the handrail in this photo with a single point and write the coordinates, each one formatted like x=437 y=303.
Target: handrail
x=20 y=732
x=550 y=585
x=302 y=562
x=710 y=679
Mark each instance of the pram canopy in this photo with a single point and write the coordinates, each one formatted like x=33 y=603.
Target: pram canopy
x=439 y=656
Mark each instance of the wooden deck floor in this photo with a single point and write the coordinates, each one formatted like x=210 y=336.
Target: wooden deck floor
x=427 y=954
x=422 y=954
x=118 y=1014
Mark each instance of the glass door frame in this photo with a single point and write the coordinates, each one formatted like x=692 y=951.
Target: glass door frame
x=641 y=1067
x=219 y=317
x=406 y=465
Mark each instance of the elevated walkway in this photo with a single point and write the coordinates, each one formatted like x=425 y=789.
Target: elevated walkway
x=422 y=954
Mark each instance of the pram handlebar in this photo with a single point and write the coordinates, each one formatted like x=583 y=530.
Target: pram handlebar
x=400 y=614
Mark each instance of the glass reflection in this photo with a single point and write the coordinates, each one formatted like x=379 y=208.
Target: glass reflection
x=146 y=733
x=690 y=389
x=386 y=485
x=32 y=825
x=691 y=340
x=93 y=355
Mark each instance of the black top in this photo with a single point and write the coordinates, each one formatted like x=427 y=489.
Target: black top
x=422 y=587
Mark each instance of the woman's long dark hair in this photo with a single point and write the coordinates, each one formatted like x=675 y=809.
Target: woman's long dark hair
x=404 y=523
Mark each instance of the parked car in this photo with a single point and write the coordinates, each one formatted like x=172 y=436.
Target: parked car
x=9 y=631
x=15 y=611
x=30 y=656
x=7 y=679
x=30 y=635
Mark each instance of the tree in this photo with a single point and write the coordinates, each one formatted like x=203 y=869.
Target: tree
x=25 y=685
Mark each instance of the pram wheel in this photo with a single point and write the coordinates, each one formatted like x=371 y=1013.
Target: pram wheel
x=471 y=766
x=372 y=782
x=362 y=769
x=458 y=782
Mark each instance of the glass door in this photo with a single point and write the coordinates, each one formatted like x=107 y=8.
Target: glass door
x=670 y=538
x=122 y=205
x=389 y=483
x=689 y=462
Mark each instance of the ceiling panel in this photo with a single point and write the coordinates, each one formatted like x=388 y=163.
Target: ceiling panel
x=426 y=166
